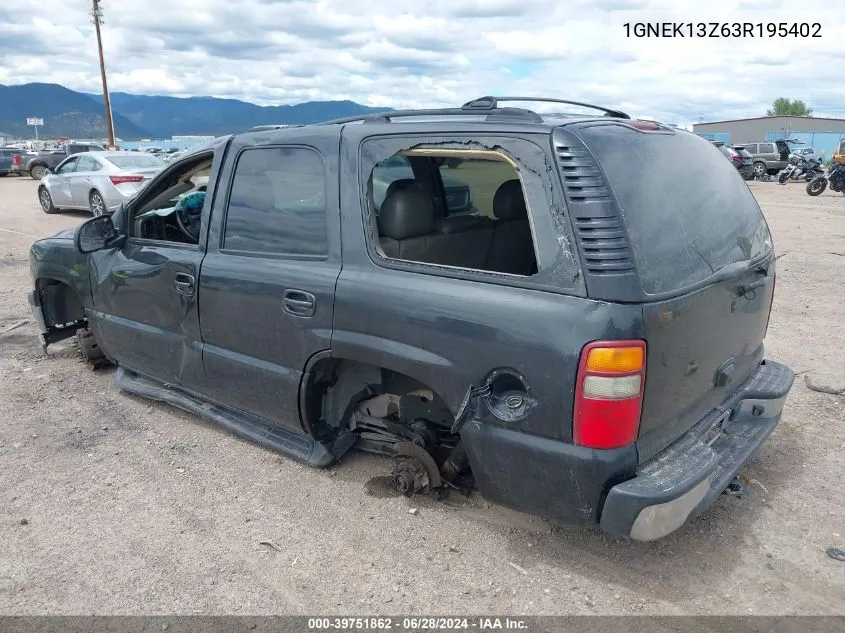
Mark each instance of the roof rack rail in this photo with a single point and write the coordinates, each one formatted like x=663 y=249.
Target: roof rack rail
x=492 y=103
x=386 y=117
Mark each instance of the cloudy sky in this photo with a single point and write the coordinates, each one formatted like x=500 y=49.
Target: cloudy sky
x=401 y=53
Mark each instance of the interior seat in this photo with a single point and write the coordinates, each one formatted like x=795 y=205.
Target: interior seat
x=462 y=240
x=405 y=221
x=512 y=248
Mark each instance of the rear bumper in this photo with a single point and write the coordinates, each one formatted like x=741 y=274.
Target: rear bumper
x=570 y=484
x=684 y=480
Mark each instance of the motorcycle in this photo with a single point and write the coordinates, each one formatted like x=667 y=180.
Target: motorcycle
x=801 y=168
x=835 y=176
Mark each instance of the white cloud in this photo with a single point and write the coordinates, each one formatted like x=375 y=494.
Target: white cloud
x=439 y=53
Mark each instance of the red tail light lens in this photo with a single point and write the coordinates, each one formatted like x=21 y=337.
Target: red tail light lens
x=609 y=394
x=119 y=180
x=16 y=160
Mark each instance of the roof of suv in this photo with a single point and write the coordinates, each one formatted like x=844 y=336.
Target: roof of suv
x=488 y=109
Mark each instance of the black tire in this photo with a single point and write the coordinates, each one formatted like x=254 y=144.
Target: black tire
x=90 y=350
x=46 y=201
x=782 y=178
x=96 y=203
x=816 y=186
x=760 y=169
x=37 y=172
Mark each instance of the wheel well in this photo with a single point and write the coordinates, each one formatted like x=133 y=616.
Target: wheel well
x=60 y=305
x=334 y=387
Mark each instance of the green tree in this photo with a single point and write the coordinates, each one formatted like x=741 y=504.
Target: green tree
x=784 y=106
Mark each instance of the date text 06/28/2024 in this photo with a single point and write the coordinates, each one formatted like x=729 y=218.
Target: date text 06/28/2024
x=722 y=29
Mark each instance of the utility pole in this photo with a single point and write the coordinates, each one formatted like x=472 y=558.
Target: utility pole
x=97 y=15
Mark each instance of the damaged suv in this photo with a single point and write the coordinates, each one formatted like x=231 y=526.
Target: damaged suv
x=583 y=342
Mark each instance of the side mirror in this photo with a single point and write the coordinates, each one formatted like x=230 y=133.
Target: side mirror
x=97 y=234
x=49 y=170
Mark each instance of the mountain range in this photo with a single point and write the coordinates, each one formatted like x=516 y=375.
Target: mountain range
x=81 y=115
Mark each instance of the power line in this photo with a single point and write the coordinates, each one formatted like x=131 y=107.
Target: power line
x=97 y=17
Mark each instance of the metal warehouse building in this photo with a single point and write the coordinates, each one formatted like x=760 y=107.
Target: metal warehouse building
x=821 y=133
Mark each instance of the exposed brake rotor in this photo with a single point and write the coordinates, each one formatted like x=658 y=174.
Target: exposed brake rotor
x=423 y=458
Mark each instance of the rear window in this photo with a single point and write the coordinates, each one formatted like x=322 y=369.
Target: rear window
x=688 y=211
x=140 y=161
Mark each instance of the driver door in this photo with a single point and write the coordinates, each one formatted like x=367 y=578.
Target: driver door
x=60 y=185
x=145 y=292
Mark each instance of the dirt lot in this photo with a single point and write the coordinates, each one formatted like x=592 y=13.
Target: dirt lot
x=110 y=504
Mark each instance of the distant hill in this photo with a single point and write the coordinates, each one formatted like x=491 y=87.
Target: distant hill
x=76 y=114
x=65 y=113
x=167 y=116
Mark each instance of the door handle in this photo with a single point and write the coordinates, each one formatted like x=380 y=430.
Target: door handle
x=299 y=303
x=184 y=284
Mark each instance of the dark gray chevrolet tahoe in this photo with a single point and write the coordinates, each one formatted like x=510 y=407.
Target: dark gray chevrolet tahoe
x=585 y=344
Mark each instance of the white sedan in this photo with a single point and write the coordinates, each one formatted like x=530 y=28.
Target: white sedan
x=96 y=181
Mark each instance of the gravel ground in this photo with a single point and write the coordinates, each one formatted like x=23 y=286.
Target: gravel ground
x=114 y=505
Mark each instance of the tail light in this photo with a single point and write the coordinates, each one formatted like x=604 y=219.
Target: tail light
x=609 y=394
x=16 y=160
x=119 y=180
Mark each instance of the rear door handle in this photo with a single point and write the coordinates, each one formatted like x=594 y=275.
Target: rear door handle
x=299 y=303
x=184 y=284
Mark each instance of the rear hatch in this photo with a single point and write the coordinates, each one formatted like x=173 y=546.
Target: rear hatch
x=702 y=266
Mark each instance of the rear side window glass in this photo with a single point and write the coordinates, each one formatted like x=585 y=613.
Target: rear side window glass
x=767 y=148
x=277 y=202
x=684 y=224
x=86 y=163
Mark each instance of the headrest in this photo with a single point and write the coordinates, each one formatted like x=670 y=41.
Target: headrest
x=406 y=213
x=401 y=185
x=509 y=203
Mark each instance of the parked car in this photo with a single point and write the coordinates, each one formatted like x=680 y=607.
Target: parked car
x=11 y=160
x=38 y=165
x=593 y=353
x=97 y=181
x=771 y=156
x=739 y=157
x=808 y=153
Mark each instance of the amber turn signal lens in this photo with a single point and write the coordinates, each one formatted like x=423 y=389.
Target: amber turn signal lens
x=616 y=359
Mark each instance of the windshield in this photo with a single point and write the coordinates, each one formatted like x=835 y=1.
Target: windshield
x=684 y=224
x=141 y=161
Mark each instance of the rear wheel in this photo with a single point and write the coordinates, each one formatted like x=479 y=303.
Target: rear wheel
x=38 y=172
x=816 y=186
x=46 y=201
x=96 y=203
x=760 y=169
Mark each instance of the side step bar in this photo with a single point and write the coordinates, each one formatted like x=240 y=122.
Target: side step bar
x=295 y=445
